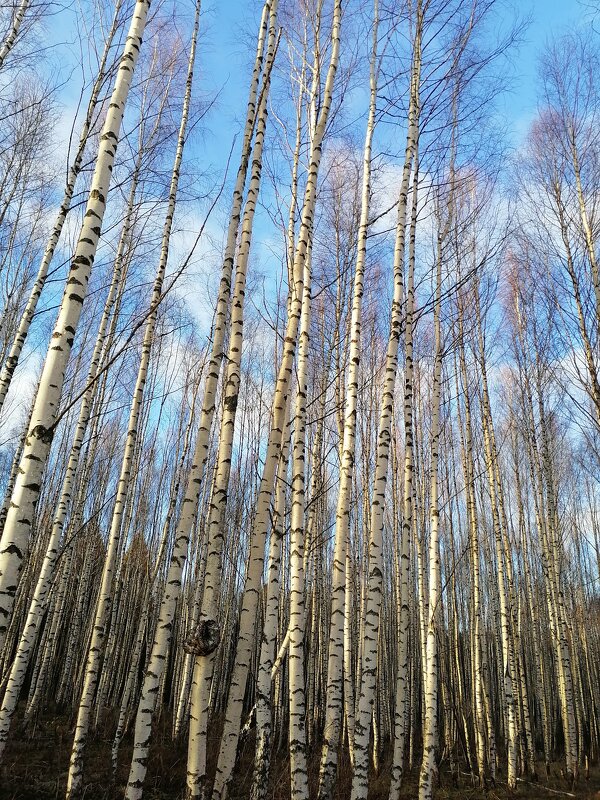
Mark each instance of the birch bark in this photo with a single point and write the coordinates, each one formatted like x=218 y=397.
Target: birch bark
x=17 y=529
x=335 y=663
x=204 y=640
x=28 y=314
x=362 y=724
x=106 y=589
x=13 y=32
x=227 y=753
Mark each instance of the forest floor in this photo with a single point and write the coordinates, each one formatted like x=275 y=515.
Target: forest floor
x=35 y=767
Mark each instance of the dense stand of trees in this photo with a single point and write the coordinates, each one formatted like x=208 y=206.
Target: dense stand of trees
x=300 y=450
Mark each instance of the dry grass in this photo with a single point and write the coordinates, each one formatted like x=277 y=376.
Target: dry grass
x=35 y=768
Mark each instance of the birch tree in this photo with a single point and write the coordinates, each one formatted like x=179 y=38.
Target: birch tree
x=17 y=528
x=106 y=587
x=27 y=316
x=338 y=599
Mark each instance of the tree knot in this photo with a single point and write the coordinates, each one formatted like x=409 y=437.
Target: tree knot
x=42 y=433
x=204 y=640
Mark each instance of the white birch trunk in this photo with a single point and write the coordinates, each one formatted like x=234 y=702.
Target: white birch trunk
x=206 y=635
x=13 y=32
x=297 y=699
x=339 y=616
x=431 y=666
x=46 y=576
x=12 y=360
x=375 y=572
x=172 y=589
x=114 y=536
x=402 y=666
x=205 y=638
x=228 y=751
x=17 y=529
x=267 y=664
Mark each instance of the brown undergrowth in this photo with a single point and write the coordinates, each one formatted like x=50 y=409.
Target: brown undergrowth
x=35 y=767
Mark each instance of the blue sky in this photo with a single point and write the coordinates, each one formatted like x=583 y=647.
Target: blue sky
x=548 y=18
x=224 y=59
x=223 y=63
x=225 y=56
